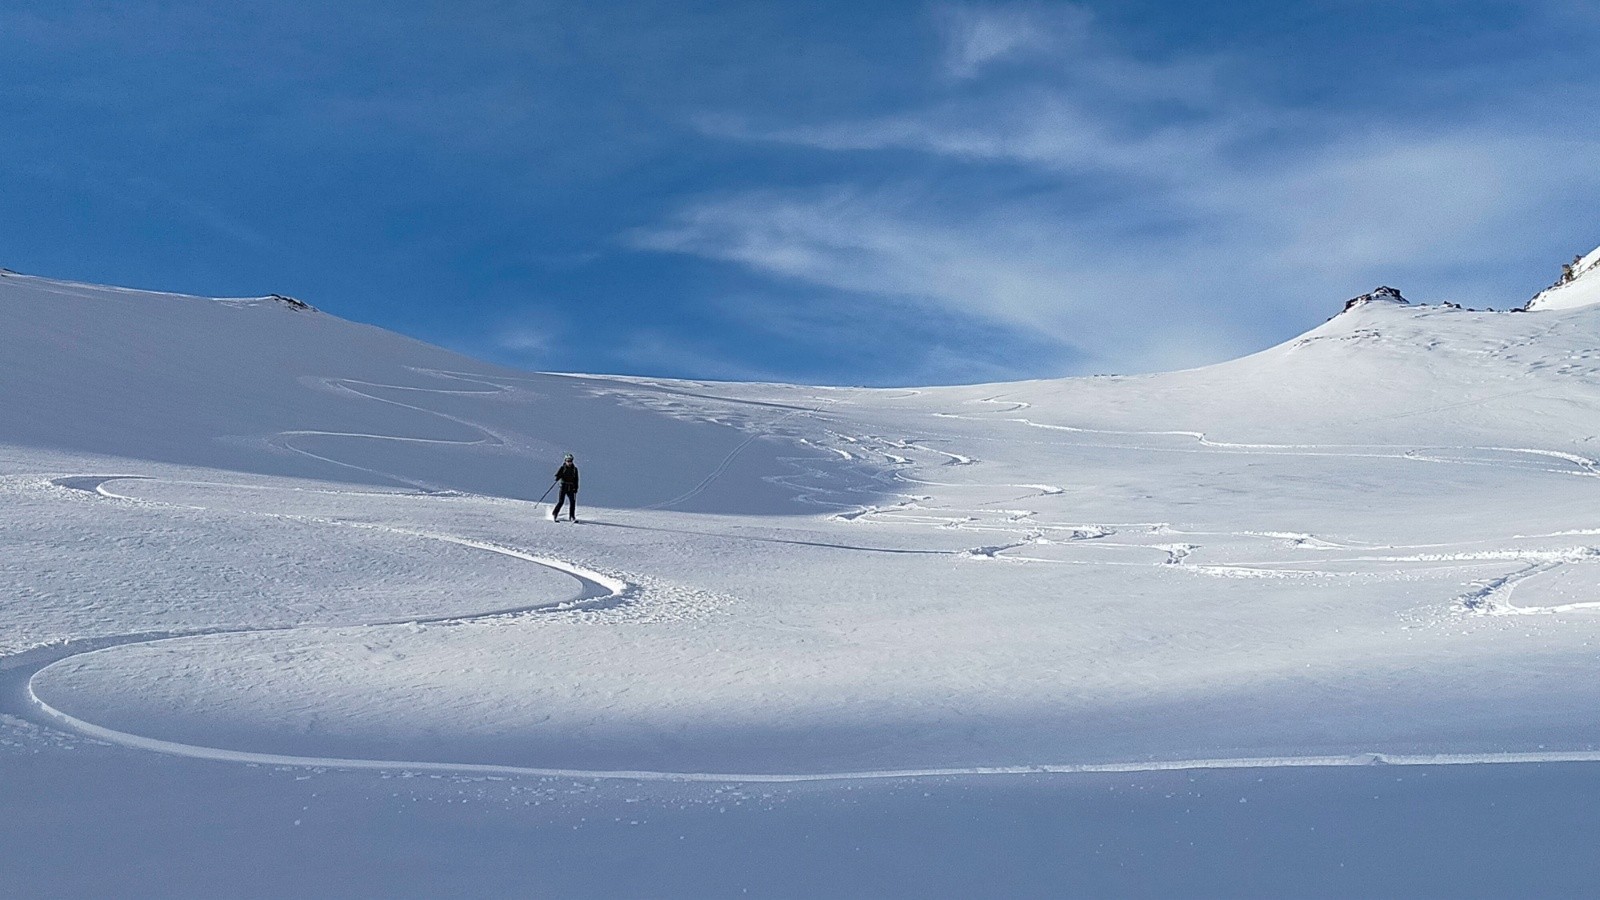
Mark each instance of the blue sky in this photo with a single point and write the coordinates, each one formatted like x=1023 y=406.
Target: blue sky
x=860 y=193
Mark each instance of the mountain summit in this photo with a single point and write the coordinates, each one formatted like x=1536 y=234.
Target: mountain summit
x=1578 y=286
x=1383 y=294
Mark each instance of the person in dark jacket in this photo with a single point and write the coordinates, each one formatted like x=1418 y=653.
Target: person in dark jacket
x=568 y=476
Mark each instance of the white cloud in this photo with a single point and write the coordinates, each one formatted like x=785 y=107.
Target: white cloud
x=1059 y=39
x=1019 y=267
x=977 y=36
x=656 y=351
x=1252 y=243
x=524 y=340
x=1207 y=236
x=1031 y=126
x=1367 y=204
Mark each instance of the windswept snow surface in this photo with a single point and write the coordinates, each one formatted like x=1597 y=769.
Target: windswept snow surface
x=239 y=532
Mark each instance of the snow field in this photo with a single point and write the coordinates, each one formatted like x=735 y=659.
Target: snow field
x=1373 y=544
x=1235 y=624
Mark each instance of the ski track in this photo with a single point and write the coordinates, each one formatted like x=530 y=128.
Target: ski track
x=1487 y=598
x=600 y=591
x=19 y=676
x=911 y=512
x=1585 y=466
x=88 y=729
x=284 y=440
x=604 y=592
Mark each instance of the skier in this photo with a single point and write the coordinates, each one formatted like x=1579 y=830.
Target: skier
x=568 y=476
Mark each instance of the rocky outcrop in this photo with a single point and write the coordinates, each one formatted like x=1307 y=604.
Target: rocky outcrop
x=292 y=303
x=1383 y=294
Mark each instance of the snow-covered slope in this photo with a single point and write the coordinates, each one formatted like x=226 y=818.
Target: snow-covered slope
x=300 y=541
x=1382 y=371
x=260 y=385
x=1579 y=286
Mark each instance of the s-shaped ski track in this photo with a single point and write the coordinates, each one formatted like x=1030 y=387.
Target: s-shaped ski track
x=20 y=676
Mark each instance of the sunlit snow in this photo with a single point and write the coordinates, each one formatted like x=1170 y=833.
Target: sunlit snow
x=246 y=532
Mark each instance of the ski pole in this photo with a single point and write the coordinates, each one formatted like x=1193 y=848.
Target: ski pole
x=547 y=491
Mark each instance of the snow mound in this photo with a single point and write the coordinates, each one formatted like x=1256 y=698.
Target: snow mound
x=1384 y=294
x=1578 y=286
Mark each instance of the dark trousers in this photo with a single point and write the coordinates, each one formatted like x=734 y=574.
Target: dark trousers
x=569 y=497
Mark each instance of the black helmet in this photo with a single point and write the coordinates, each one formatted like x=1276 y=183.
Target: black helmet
x=569 y=457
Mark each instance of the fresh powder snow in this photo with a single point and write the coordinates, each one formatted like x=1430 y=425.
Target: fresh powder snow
x=247 y=543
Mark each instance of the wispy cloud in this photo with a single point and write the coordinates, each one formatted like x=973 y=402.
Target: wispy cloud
x=1022 y=268
x=1129 y=210
x=874 y=192
x=977 y=36
x=525 y=341
x=657 y=351
x=1029 y=125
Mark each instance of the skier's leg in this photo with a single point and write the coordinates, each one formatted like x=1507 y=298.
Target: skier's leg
x=572 y=506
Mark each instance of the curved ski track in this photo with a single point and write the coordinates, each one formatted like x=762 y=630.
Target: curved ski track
x=601 y=590
x=284 y=439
